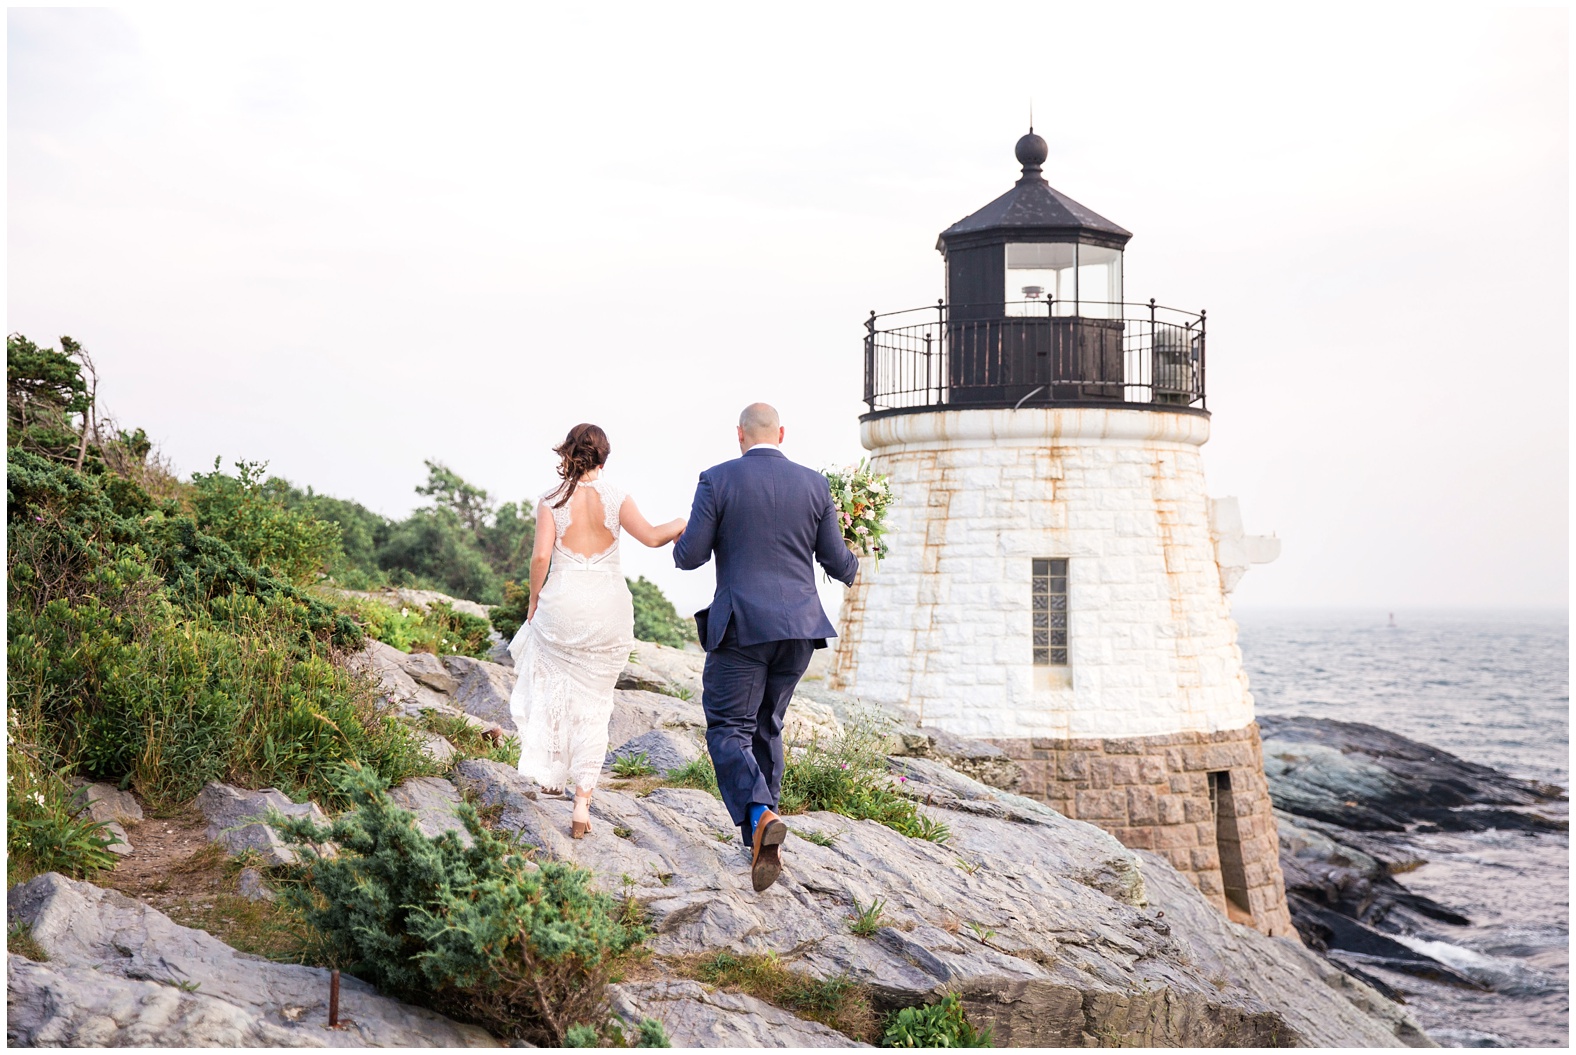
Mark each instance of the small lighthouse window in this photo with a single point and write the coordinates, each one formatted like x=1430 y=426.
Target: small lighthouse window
x=1049 y=611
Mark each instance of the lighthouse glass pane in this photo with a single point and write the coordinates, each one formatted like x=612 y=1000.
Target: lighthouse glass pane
x=1038 y=272
x=1099 y=282
x=1048 y=611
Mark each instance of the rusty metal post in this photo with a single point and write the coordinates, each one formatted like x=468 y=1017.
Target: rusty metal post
x=333 y=999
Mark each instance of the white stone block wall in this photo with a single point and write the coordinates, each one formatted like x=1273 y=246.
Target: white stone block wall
x=943 y=627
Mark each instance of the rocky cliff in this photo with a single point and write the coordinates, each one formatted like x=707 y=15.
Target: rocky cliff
x=1050 y=930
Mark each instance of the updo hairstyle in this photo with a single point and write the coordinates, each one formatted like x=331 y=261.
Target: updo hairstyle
x=584 y=450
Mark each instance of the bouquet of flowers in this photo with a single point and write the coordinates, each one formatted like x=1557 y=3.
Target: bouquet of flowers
x=861 y=497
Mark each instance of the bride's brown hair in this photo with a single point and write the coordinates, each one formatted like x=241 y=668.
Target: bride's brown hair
x=584 y=450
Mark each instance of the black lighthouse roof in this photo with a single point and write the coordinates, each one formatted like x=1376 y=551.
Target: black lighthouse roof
x=1033 y=210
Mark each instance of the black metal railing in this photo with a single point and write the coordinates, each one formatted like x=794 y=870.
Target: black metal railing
x=1035 y=353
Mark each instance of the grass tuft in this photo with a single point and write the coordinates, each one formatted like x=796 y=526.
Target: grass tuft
x=840 y=1002
x=635 y=765
x=867 y=919
x=698 y=774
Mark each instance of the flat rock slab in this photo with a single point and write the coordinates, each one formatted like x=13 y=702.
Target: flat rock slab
x=120 y=972
x=433 y=800
x=1039 y=922
x=696 y=1017
x=235 y=818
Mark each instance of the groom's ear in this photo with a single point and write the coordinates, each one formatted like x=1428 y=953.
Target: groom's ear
x=781 y=432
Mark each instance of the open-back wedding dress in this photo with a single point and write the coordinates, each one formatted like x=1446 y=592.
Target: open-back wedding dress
x=568 y=657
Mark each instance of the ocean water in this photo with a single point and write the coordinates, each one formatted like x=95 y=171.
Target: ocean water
x=1492 y=687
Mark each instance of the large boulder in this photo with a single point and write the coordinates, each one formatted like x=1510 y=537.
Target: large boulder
x=664 y=750
x=433 y=801
x=430 y=671
x=401 y=692
x=697 y=1017
x=122 y=974
x=1050 y=929
x=1364 y=778
x=482 y=689
x=112 y=807
x=636 y=713
x=679 y=668
x=236 y=818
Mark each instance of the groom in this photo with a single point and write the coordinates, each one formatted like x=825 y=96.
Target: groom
x=768 y=521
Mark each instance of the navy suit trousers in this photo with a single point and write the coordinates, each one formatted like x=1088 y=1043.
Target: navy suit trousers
x=746 y=690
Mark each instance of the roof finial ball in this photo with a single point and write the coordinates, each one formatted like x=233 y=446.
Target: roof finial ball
x=1032 y=152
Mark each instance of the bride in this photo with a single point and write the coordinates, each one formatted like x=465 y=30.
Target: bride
x=579 y=626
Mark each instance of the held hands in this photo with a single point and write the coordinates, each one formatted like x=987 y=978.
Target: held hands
x=673 y=529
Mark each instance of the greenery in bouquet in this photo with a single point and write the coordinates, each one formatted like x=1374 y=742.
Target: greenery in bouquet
x=861 y=496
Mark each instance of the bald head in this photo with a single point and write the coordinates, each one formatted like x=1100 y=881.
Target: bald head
x=759 y=424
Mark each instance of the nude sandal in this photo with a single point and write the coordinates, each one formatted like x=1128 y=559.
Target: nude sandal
x=580 y=829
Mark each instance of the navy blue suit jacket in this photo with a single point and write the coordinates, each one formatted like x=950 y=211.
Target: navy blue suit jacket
x=768 y=520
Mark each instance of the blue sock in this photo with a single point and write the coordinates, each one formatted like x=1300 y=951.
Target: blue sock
x=756 y=809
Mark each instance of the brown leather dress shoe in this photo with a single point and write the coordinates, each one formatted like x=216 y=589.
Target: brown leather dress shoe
x=766 y=864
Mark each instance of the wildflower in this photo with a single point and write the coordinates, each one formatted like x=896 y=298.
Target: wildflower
x=36 y=797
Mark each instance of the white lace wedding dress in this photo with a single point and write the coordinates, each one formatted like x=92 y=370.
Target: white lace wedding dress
x=569 y=656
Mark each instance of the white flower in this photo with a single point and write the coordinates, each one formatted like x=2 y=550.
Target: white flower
x=36 y=797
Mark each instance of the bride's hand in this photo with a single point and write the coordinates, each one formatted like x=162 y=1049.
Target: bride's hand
x=676 y=528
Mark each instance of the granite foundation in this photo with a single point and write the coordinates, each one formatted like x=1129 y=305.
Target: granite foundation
x=1198 y=799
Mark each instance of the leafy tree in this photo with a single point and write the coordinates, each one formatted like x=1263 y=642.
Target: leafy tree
x=471 y=505
x=44 y=390
x=655 y=617
x=433 y=547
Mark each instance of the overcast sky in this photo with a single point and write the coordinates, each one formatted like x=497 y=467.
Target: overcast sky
x=347 y=239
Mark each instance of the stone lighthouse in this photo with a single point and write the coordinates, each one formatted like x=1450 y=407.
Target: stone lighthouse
x=1058 y=576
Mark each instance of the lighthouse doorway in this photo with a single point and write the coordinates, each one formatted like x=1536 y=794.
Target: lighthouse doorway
x=1228 y=844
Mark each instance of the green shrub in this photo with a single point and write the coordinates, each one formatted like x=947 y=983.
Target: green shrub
x=45 y=832
x=478 y=931
x=655 y=617
x=438 y=628
x=850 y=776
x=143 y=648
x=286 y=542
x=458 y=633
x=508 y=617
x=938 y=1025
x=468 y=740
